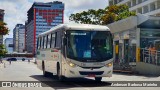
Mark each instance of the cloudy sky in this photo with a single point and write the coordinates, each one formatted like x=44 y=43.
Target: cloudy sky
x=16 y=10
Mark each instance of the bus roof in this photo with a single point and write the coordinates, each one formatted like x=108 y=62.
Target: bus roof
x=77 y=27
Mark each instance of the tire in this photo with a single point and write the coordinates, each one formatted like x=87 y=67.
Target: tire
x=98 y=79
x=59 y=76
x=45 y=73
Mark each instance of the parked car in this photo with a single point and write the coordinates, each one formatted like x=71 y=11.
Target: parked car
x=23 y=59
x=12 y=59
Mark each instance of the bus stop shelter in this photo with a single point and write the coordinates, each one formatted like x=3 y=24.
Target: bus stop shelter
x=133 y=39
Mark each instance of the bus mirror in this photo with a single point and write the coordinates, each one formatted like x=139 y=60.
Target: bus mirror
x=64 y=41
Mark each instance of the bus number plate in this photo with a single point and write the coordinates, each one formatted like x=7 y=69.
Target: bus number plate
x=99 y=64
x=91 y=75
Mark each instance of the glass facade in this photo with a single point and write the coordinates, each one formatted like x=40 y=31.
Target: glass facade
x=149 y=37
x=9 y=45
x=44 y=16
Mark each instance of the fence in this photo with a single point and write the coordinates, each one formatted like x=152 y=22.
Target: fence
x=150 y=56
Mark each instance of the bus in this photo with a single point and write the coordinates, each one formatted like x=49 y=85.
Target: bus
x=76 y=50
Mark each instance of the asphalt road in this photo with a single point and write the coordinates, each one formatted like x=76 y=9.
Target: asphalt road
x=24 y=71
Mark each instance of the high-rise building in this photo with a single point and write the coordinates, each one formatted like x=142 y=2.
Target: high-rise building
x=9 y=45
x=147 y=7
x=41 y=17
x=1 y=14
x=19 y=38
x=1 y=19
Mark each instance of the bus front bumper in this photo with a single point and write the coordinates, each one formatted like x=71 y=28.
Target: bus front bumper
x=90 y=72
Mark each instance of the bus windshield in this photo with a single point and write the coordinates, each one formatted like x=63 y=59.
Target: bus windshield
x=89 y=46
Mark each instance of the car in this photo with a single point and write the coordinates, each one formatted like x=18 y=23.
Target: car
x=11 y=59
x=23 y=59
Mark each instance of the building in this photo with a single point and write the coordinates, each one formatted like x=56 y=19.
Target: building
x=1 y=19
x=147 y=7
x=19 y=38
x=41 y=17
x=133 y=37
x=1 y=14
x=9 y=45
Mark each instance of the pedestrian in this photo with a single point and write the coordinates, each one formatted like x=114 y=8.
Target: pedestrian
x=28 y=60
x=1 y=61
x=10 y=61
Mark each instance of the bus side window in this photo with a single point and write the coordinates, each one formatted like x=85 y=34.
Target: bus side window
x=41 y=42
x=53 y=40
x=58 y=39
x=45 y=40
x=37 y=43
x=48 y=41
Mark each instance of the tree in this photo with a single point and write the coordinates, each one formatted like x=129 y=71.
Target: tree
x=116 y=13
x=102 y=16
x=2 y=50
x=88 y=17
x=3 y=29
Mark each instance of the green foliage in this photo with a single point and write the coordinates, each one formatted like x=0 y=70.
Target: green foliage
x=3 y=29
x=116 y=13
x=102 y=16
x=2 y=50
x=88 y=17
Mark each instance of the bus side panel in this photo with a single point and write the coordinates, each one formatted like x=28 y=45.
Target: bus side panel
x=49 y=61
x=39 y=60
x=39 y=64
x=53 y=62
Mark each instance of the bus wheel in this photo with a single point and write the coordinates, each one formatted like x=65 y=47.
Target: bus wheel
x=98 y=79
x=46 y=74
x=60 y=77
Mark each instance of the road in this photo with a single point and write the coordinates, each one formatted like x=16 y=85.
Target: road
x=24 y=71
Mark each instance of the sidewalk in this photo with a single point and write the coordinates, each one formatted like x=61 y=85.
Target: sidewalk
x=1 y=65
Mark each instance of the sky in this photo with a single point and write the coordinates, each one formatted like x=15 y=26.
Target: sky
x=16 y=10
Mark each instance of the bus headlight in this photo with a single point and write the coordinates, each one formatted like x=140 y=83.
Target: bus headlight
x=109 y=64
x=71 y=64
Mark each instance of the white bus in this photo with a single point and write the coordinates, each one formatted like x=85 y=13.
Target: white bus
x=76 y=50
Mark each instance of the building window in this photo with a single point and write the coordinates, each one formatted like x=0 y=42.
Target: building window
x=158 y=4
x=140 y=10
x=139 y=1
x=145 y=9
x=134 y=2
x=111 y=2
x=115 y=2
x=129 y=4
x=152 y=6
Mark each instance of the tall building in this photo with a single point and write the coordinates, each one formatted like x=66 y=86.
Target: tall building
x=1 y=19
x=41 y=17
x=1 y=14
x=19 y=38
x=9 y=45
x=147 y=7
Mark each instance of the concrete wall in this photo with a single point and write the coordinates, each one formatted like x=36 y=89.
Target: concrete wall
x=147 y=69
